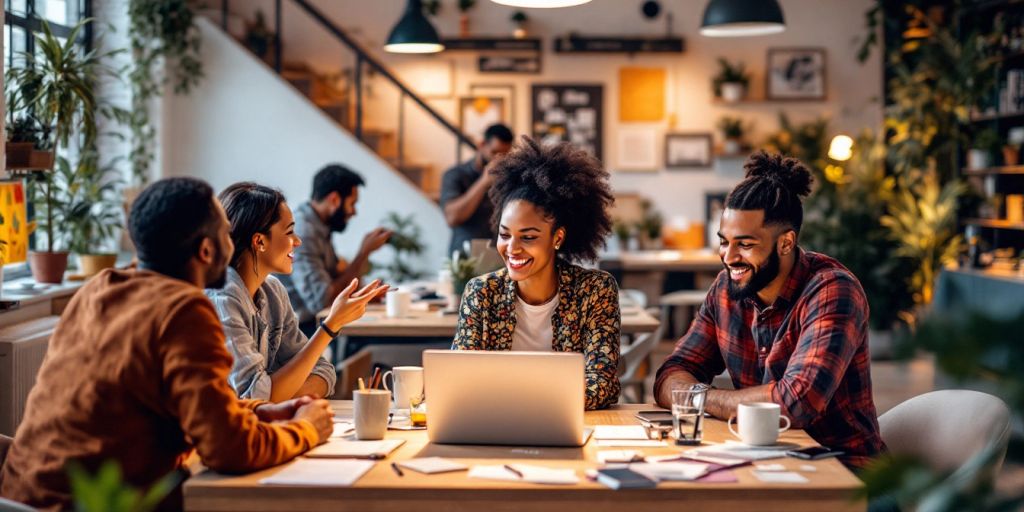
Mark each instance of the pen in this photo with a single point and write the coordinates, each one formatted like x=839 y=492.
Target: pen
x=397 y=469
x=375 y=378
x=514 y=471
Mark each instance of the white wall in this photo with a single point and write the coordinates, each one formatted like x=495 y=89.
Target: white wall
x=836 y=25
x=245 y=123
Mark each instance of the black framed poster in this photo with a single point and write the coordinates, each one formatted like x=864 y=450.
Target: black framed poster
x=571 y=113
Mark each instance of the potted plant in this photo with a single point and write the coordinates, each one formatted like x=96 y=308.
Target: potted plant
x=982 y=147
x=732 y=129
x=90 y=212
x=731 y=82
x=259 y=38
x=462 y=269
x=57 y=87
x=649 y=227
x=405 y=240
x=623 y=233
x=464 y=7
x=519 y=19
x=22 y=138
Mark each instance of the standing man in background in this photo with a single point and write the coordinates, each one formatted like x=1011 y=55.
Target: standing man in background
x=467 y=209
x=318 y=275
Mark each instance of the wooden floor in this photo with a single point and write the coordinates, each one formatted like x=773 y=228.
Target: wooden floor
x=893 y=382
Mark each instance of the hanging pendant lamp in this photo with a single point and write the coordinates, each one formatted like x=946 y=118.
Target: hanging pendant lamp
x=738 y=18
x=413 y=33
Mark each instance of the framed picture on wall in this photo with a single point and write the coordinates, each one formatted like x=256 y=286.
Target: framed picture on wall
x=571 y=113
x=507 y=93
x=796 y=74
x=638 y=150
x=476 y=113
x=687 y=150
x=714 y=204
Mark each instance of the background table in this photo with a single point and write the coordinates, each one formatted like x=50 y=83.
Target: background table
x=831 y=487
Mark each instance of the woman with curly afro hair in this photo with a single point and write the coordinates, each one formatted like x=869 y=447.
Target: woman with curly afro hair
x=551 y=211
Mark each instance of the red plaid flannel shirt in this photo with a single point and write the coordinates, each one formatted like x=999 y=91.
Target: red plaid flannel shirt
x=810 y=346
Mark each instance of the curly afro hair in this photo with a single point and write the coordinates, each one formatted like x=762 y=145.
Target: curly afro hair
x=567 y=184
x=774 y=183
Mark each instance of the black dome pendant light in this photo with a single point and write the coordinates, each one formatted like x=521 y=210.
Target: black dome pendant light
x=737 y=18
x=413 y=33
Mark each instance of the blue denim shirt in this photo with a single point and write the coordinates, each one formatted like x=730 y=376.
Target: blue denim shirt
x=262 y=334
x=314 y=267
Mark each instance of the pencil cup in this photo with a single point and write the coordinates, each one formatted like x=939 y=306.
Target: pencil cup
x=371 y=413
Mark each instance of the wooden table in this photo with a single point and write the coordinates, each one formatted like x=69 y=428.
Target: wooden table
x=831 y=487
x=435 y=324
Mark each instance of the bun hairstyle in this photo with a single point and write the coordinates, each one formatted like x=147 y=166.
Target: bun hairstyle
x=776 y=184
x=567 y=184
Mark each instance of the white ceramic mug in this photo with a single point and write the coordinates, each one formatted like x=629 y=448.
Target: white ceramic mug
x=398 y=303
x=371 y=413
x=406 y=383
x=758 y=423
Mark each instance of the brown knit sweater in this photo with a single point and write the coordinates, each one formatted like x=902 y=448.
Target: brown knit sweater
x=136 y=372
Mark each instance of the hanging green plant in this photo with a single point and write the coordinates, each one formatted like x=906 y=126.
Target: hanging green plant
x=165 y=51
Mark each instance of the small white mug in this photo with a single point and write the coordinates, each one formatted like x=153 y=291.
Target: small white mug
x=406 y=383
x=399 y=302
x=758 y=423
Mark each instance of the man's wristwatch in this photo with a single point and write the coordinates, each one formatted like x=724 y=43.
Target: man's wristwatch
x=332 y=334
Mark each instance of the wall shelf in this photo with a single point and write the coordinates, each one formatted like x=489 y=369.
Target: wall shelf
x=1004 y=170
x=492 y=44
x=996 y=224
x=611 y=44
x=981 y=118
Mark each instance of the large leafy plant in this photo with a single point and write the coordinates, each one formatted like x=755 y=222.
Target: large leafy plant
x=406 y=241
x=90 y=211
x=56 y=86
x=106 y=490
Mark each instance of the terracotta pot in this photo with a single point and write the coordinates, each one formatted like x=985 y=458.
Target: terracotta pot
x=92 y=264
x=1011 y=155
x=18 y=154
x=48 y=267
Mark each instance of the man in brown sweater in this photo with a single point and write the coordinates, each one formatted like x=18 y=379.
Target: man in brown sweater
x=137 y=368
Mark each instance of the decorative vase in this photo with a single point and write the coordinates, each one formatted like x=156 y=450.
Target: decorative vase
x=732 y=147
x=48 y=267
x=92 y=264
x=464 y=25
x=1011 y=155
x=732 y=92
x=978 y=159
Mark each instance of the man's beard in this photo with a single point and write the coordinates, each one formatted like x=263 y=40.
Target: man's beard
x=217 y=277
x=758 y=278
x=338 y=221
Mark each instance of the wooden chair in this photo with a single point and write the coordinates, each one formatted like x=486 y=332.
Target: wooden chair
x=349 y=371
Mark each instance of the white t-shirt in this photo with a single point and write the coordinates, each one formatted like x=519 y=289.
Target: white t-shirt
x=533 y=326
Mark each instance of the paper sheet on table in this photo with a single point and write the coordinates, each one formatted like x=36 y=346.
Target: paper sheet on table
x=431 y=465
x=531 y=474
x=740 y=451
x=618 y=443
x=320 y=472
x=620 y=432
x=337 y=448
x=342 y=429
x=780 y=477
x=661 y=471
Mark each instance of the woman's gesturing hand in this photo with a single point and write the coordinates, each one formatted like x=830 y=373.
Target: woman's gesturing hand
x=350 y=305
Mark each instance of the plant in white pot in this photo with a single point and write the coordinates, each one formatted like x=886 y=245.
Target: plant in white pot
x=731 y=81
x=56 y=85
x=733 y=131
x=984 y=144
x=90 y=211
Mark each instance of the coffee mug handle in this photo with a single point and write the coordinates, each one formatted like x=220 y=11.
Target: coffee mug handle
x=729 y=423
x=783 y=429
x=384 y=381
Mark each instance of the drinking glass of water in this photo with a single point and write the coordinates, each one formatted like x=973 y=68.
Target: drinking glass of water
x=688 y=413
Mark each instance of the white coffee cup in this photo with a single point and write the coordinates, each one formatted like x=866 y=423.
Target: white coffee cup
x=406 y=383
x=758 y=423
x=399 y=302
x=371 y=413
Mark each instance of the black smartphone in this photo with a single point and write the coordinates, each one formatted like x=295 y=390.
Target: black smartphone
x=814 y=453
x=655 y=416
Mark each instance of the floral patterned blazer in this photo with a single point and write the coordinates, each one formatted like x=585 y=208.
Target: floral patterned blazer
x=586 y=320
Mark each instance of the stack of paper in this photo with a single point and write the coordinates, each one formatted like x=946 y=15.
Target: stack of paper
x=531 y=474
x=342 y=429
x=679 y=471
x=341 y=449
x=431 y=465
x=328 y=473
x=740 y=451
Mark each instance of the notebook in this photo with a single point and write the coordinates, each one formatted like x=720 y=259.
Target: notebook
x=320 y=472
x=340 y=449
x=624 y=478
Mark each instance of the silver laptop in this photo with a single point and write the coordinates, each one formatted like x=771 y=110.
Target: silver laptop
x=508 y=398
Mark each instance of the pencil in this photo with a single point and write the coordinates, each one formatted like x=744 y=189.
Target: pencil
x=397 y=469
x=375 y=379
x=362 y=385
x=514 y=471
